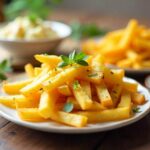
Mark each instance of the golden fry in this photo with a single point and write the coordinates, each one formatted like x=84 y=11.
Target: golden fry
x=77 y=92
x=126 y=48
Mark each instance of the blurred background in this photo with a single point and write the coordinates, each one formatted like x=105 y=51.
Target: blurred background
x=104 y=12
x=122 y=8
x=86 y=18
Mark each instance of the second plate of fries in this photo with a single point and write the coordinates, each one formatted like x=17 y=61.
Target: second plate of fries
x=127 y=48
x=73 y=94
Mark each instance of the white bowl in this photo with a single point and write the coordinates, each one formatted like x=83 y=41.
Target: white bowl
x=23 y=50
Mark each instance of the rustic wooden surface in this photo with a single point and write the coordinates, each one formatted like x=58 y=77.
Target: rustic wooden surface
x=132 y=137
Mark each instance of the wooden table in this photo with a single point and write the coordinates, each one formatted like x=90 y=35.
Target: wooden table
x=132 y=137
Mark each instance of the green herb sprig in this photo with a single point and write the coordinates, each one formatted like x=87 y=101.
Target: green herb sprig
x=68 y=107
x=80 y=31
x=73 y=58
x=76 y=85
x=136 y=110
x=32 y=8
x=93 y=75
x=5 y=67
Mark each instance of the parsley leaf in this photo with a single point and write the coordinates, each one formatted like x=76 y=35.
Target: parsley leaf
x=62 y=64
x=68 y=107
x=2 y=76
x=76 y=85
x=82 y=62
x=4 y=68
x=136 y=110
x=78 y=58
x=72 y=55
x=65 y=58
x=93 y=75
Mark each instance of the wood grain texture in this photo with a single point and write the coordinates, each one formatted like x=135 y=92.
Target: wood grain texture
x=132 y=137
x=15 y=137
x=3 y=122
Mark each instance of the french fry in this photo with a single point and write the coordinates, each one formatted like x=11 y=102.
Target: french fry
x=125 y=63
x=125 y=100
x=128 y=34
x=9 y=101
x=132 y=54
x=112 y=77
x=45 y=66
x=128 y=86
x=27 y=102
x=95 y=105
x=30 y=114
x=87 y=88
x=37 y=71
x=107 y=115
x=82 y=97
x=29 y=70
x=47 y=104
x=95 y=74
x=36 y=84
x=64 y=90
x=98 y=63
x=138 y=98
x=51 y=60
x=115 y=94
x=14 y=87
x=141 y=43
x=92 y=77
x=103 y=95
x=67 y=75
x=70 y=119
x=146 y=64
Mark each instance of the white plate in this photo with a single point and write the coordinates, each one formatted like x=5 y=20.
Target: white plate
x=51 y=126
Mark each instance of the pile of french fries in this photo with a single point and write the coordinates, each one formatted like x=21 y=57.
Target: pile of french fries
x=125 y=48
x=74 y=95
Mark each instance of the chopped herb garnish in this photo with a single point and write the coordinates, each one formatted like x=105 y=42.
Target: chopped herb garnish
x=76 y=85
x=136 y=110
x=93 y=75
x=68 y=107
x=73 y=58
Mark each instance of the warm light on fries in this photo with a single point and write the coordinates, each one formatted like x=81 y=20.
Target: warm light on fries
x=72 y=91
x=125 y=48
